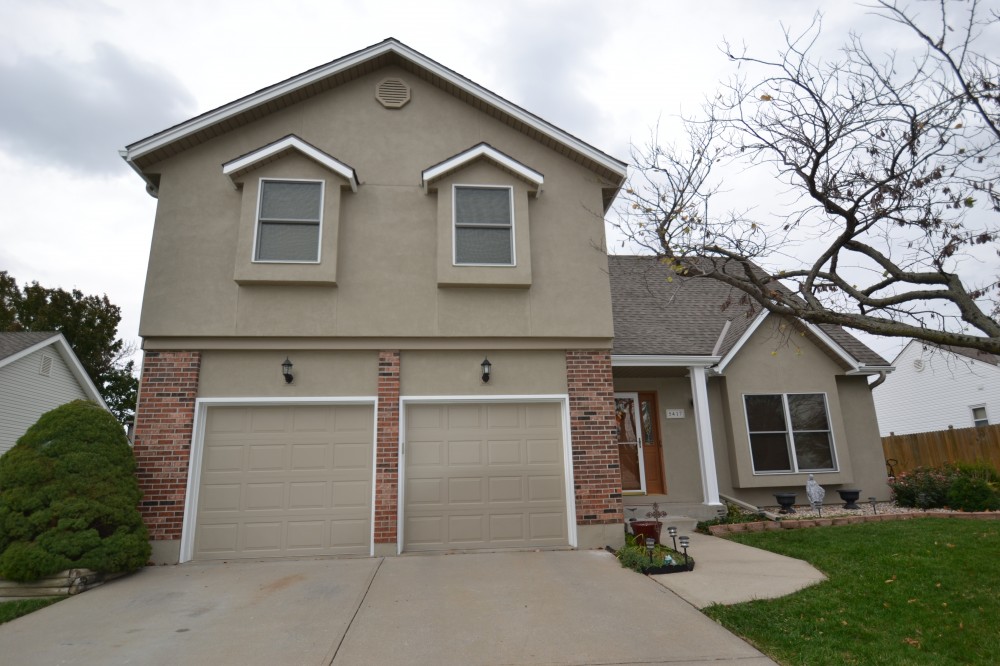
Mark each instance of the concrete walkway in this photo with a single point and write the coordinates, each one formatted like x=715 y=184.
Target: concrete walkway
x=727 y=572
x=555 y=607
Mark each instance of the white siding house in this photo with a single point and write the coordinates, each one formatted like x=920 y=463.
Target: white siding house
x=38 y=372
x=936 y=389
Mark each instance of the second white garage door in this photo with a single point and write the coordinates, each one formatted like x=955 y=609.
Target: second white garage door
x=482 y=476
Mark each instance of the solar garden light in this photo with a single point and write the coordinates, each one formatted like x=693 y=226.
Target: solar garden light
x=650 y=545
x=872 y=500
x=672 y=531
x=818 y=507
x=685 y=542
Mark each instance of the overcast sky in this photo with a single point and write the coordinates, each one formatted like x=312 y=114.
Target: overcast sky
x=80 y=79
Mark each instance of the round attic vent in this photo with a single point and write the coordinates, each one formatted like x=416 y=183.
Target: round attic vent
x=918 y=364
x=392 y=93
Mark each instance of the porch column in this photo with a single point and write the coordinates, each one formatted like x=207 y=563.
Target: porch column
x=703 y=427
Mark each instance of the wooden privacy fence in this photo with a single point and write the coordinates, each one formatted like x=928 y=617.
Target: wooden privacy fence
x=928 y=449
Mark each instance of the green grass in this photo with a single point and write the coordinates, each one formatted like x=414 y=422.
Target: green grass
x=924 y=591
x=11 y=610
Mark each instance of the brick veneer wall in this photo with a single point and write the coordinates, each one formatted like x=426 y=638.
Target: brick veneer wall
x=164 y=424
x=596 y=467
x=387 y=447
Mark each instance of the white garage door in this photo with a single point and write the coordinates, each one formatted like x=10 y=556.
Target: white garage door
x=484 y=476
x=285 y=481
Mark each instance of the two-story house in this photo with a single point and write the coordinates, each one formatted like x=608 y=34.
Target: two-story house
x=378 y=318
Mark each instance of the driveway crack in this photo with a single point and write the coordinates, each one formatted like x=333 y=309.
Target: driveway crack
x=361 y=602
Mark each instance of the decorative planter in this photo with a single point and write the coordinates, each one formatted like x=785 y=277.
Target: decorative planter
x=669 y=569
x=787 y=502
x=850 y=497
x=646 y=529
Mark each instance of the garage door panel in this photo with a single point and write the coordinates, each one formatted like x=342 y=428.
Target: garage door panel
x=490 y=500
x=266 y=457
x=465 y=490
x=506 y=489
x=503 y=416
x=265 y=493
x=269 y=420
x=545 y=489
x=504 y=452
x=351 y=494
x=543 y=452
x=467 y=452
x=424 y=453
x=310 y=456
x=506 y=527
x=264 y=496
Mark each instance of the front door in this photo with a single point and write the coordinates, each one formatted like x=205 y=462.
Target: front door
x=651 y=446
x=629 y=436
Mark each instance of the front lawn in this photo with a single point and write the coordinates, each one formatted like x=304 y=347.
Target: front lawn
x=11 y=610
x=922 y=591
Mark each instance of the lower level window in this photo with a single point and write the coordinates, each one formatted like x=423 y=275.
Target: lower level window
x=789 y=432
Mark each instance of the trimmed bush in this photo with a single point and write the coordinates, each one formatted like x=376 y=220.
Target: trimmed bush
x=961 y=486
x=973 y=494
x=69 y=497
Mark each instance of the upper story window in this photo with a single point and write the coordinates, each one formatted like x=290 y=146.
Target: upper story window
x=484 y=226
x=979 y=418
x=289 y=221
x=789 y=432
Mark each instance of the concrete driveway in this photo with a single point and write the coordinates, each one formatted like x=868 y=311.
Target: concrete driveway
x=551 y=607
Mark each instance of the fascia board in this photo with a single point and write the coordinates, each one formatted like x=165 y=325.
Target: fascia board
x=731 y=354
x=345 y=171
x=266 y=95
x=836 y=348
x=489 y=152
x=661 y=361
x=871 y=370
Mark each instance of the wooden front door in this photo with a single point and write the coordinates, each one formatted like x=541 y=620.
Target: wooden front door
x=649 y=419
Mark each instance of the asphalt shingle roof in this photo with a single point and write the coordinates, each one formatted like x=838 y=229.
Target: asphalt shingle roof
x=659 y=312
x=12 y=343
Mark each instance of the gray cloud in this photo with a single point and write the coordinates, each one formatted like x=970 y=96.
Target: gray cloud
x=547 y=52
x=78 y=114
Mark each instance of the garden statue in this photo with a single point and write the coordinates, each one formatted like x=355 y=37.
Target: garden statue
x=814 y=491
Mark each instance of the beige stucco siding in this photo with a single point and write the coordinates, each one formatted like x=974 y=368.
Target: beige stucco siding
x=386 y=254
x=439 y=373
x=777 y=359
x=229 y=374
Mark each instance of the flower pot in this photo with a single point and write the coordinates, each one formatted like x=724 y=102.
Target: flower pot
x=850 y=497
x=787 y=502
x=646 y=529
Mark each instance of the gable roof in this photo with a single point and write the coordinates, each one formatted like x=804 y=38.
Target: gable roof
x=974 y=354
x=14 y=346
x=487 y=152
x=146 y=152
x=274 y=150
x=657 y=312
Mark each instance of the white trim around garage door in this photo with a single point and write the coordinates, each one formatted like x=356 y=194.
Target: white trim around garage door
x=561 y=399
x=201 y=406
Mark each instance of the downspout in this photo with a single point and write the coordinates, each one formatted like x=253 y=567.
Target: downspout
x=877 y=382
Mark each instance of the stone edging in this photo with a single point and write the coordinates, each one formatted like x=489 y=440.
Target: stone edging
x=790 y=524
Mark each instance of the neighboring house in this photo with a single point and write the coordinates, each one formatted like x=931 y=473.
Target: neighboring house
x=936 y=388
x=38 y=372
x=378 y=319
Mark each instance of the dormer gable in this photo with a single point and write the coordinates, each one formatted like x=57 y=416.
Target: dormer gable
x=238 y=168
x=482 y=151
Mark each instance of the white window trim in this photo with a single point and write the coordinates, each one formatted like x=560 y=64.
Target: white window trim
x=454 y=222
x=972 y=412
x=256 y=225
x=790 y=435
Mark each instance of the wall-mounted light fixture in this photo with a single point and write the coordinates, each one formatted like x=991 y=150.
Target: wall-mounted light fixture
x=286 y=371
x=487 y=367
